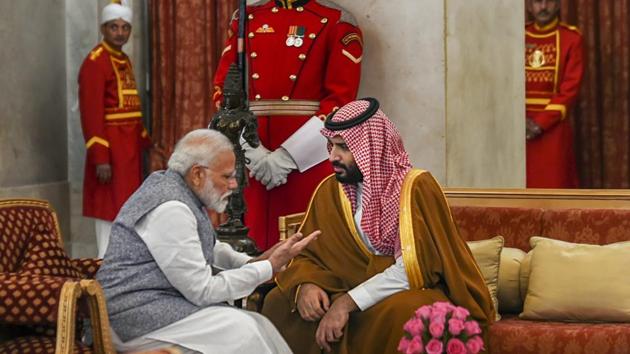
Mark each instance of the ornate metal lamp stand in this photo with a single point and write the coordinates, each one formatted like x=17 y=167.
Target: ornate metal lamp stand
x=236 y=121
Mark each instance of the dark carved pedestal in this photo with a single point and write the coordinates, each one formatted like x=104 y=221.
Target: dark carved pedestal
x=237 y=122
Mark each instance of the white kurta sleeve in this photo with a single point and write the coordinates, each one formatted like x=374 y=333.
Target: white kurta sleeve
x=390 y=281
x=225 y=257
x=170 y=233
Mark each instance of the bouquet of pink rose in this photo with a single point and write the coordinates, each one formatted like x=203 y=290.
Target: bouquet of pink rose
x=441 y=328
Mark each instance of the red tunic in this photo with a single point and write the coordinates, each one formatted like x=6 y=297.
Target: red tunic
x=111 y=118
x=554 y=68
x=290 y=80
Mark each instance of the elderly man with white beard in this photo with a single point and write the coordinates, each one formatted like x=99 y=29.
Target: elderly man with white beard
x=166 y=277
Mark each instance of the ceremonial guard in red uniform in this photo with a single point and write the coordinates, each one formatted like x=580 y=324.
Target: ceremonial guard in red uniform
x=554 y=69
x=303 y=62
x=111 y=118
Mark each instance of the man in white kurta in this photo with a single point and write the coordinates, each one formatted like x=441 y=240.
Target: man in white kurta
x=167 y=280
x=170 y=233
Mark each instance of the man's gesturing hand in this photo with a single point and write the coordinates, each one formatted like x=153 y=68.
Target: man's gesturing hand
x=289 y=249
x=267 y=253
x=312 y=302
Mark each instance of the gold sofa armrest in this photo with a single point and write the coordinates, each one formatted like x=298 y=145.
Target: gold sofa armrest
x=66 y=317
x=289 y=224
x=99 y=319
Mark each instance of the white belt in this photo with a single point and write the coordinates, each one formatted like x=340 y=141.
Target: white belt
x=284 y=108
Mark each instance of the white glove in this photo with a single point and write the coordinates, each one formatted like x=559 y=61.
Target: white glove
x=273 y=169
x=255 y=156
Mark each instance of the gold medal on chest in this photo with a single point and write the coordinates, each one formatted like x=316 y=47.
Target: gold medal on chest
x=536 y=59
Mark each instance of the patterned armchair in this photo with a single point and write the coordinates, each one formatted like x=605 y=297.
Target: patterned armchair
x=44 y=295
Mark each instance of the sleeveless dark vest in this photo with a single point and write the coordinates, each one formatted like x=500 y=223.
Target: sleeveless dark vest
x=139 y=297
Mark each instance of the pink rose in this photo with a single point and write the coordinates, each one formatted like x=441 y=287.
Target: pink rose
x=424 y=312
x=455 y=346
x=436 y=329
x=455 y=326
x=415 y=346
x=434 y=346
x=414 y=327
x=471 y=328
x=403 y=345
x=438 y=316
x=474 y=344
x=443 y=306
x=460 y=313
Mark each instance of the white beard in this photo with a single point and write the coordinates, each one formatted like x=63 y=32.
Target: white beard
x=212 y=199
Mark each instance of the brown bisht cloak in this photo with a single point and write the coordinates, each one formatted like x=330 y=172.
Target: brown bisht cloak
x=439 y=266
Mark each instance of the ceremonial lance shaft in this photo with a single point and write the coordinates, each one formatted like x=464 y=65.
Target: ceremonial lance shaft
x=238 y=123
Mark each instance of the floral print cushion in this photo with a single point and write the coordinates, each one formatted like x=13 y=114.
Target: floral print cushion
x=513 y=335
x=516 y=225
x=592 y=226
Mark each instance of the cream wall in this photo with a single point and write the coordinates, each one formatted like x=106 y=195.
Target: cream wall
x=485 y=118
x=450 y=75
x=33 y=135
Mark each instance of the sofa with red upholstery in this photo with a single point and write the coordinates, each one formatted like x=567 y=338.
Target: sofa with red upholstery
x=580 y=216
x=44 y=295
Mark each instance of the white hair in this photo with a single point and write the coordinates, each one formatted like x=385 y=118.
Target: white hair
x=199 y=147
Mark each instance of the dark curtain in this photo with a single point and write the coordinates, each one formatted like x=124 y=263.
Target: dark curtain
x=602 y=115
x=187 y=38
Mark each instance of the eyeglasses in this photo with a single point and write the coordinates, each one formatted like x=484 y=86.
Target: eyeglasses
x=227 y=177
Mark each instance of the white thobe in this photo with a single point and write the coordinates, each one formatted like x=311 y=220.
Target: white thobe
x=390 y=281
x=170 y=233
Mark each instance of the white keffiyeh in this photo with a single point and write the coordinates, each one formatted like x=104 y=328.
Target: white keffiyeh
x=381 y=157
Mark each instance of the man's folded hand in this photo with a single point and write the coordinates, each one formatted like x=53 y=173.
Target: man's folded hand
x=312 y=302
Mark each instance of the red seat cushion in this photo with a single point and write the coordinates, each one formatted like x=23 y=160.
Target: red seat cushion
x=45 y=256
x=33 y=269
x=29 y=300
x=16 y=223
x=516 y=336
x=87 y=266
x=37 y=345
x=30 y=240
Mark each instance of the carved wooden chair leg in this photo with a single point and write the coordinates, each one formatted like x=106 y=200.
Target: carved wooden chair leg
x=66 y=317
x=98 y=317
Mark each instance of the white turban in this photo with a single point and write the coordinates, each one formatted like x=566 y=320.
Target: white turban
x=117 y=10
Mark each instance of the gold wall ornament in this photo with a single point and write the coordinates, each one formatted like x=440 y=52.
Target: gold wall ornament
x=536 y=59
